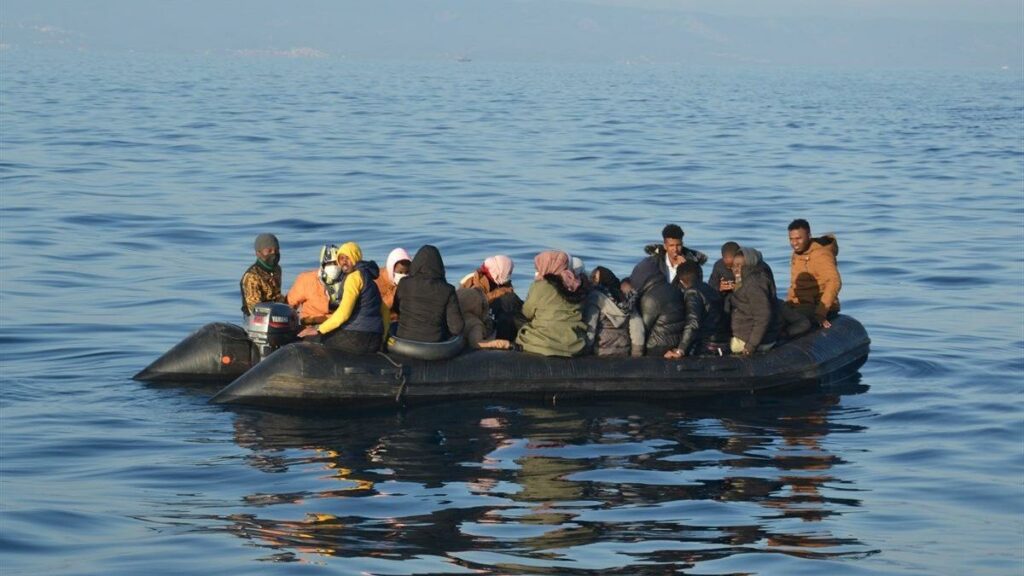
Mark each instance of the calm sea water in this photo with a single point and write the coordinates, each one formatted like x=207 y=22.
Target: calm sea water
x=131 y=188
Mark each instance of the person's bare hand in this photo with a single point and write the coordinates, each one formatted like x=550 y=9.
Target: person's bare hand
x=826 y=324
x=308 y=331
x=674 y=354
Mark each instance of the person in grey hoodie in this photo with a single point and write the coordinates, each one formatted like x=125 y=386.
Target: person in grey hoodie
x=753 y=307
x=614 y=324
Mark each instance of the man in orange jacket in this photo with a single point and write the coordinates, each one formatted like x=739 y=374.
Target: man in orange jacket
x=814 y=280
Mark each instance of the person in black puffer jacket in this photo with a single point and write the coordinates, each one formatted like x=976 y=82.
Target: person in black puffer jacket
x=661 y=306
x=703 y=307
x=426 y=304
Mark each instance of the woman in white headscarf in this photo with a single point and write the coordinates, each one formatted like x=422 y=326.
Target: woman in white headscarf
x=397 y=268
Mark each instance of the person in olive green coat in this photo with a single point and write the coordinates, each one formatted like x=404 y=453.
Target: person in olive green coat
x=554 y=309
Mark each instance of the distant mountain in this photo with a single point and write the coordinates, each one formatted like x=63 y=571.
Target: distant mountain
x=549 y=30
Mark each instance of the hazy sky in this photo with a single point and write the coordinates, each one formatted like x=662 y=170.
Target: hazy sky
x=956 y=33
x=960 y=10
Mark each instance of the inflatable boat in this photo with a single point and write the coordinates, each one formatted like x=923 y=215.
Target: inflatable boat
x=306 y=375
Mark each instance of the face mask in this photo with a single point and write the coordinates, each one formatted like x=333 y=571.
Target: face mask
x=271 y=260
x=331 y=273
x=398 y=277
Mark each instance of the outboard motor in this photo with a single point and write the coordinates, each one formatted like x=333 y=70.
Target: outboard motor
x=271 y=326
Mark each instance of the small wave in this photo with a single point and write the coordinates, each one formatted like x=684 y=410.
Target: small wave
x=907 y=366
x=819 y=147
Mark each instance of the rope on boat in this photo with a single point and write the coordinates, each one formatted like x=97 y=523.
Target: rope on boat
x=399 y=377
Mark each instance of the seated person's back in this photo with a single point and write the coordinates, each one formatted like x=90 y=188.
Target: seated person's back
x=661 y=307
x=614 y=324
x=494 y=278
x=426 y=304
x=553 y=309
x=478 y=332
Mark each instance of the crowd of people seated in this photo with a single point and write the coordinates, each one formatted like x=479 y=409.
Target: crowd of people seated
x=664 y=308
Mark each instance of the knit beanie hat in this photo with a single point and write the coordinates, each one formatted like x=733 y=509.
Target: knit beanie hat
x=264 y=241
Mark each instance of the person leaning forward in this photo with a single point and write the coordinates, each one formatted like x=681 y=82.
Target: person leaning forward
x=814 y=280
x=359 y=323
x=261 y=282
x=315 y=293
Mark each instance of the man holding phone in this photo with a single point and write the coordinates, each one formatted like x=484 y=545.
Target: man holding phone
x=722 y=277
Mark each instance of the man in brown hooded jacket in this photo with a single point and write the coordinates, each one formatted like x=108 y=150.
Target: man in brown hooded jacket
x=814 y=281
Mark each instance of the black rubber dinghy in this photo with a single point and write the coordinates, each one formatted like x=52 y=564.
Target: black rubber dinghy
x=216 y=354
x=306 y=375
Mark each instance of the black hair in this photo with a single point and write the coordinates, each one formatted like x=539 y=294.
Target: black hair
x=730 y=247
x=609 y=282
x=672 y=231
x=800 y=224
x=690 y=271
x=573 y=296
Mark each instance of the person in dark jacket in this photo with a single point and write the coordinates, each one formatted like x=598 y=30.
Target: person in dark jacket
x=359 y=322
x=425 y=302
x=671 y=252
x=791 y=322
x=722 y=279
x=477 y=333
x=753 y=307
x=614 y=325
x=661 y=306
x=703 y=307
x=494 y=277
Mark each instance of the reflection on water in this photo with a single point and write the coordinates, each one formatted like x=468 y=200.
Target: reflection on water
x=537 y=489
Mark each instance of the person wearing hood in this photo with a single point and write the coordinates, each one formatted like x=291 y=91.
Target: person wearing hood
x=397 y=268
x=426 y=302
x=661 y=306
x=475 y=312
x=553 y=309
x=814 y=280
x=703 y=307
x=671 y=252
x=614 y=324
x=261 y=282
x=494 y=277
x=359 y=323
x=316 y=293
x=752 y=306
x=579 y=268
